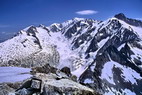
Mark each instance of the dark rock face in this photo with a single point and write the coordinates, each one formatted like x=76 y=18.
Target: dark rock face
x=55 y=27
x=66 y=70
x=32 y=32
x=71 y=31
x=93 y=46
x=30 y=87
x=133 y=22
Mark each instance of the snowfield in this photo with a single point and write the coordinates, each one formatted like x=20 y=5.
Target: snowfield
x=14 y=74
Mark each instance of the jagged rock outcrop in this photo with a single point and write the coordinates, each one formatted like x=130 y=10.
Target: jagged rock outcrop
x=52 y=82
x=44 y=69
x=130 y=21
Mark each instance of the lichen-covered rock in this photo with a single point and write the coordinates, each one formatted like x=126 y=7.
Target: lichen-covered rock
x=44 y=69
x=15 y=85
x=23 y=91
x=53 y=84
x=36 y=84
x=6 y=90
x=66 y=87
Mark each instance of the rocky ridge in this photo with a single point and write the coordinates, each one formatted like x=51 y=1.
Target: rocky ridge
x=104 y=55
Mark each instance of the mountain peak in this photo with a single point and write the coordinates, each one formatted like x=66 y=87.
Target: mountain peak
x=130 y=21
x=78 y=19
x=120 y=16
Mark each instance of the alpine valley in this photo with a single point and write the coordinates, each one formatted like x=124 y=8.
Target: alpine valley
x=104 y=56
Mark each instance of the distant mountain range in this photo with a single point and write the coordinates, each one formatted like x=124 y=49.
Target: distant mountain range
x=104 y=55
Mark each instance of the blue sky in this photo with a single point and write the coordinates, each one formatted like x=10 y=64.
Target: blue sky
x=18 y=14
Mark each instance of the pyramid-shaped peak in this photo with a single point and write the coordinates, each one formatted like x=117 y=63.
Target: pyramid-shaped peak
x=120 y=16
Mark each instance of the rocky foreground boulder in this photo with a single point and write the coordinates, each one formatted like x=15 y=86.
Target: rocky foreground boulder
x=47 y=80
x=6 y=90
x=52 y=84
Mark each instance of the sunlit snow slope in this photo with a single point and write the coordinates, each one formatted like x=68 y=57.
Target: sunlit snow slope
x=105 y=55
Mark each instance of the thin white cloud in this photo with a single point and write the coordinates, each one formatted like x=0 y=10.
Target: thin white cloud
x=86 y=12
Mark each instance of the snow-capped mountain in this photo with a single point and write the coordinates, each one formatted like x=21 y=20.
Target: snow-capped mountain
x=105 y=55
